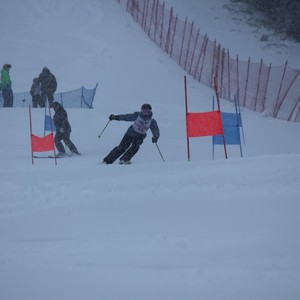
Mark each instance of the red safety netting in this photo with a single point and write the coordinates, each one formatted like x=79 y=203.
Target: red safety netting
x=258 y=86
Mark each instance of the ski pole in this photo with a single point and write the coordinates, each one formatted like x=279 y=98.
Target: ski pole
x=99 y=136
x=159 y=152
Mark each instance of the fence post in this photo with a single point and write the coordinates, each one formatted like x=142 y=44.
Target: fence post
x=213 y=64
x=258 y=84
x=162 y=25
x=81 y=97
x=199 y=57
x=214 y=69
x=297 y=114
x=151 y=18
x=146 y=15
x=222 y=71
x=143 y=14
x=202 y=64
x=168 y=33
x=246 y=84
x=193 y=55
x=284 y=96
x=156 y=16
x=182 y=41
x=138 y=11
x=238 y=76
x=296 y=104
x=228 y=74
x=280 y=86
x=188 y=47
x=171 y=54
x=266 y=89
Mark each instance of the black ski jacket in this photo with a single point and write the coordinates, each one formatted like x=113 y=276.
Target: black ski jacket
x=48 y=81
x=61 y=119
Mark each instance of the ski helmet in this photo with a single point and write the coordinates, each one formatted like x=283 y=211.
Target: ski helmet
x=146 y=106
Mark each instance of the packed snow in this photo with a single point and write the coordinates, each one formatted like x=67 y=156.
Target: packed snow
x=179 y=229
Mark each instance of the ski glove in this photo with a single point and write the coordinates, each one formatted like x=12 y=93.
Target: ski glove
x=154 y=140
x=113 y=117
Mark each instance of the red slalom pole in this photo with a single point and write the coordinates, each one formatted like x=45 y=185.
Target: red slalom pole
x=186 y=112
x=30 y=123
x=219 y=109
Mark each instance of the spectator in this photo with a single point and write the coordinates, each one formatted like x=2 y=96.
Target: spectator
x=48 y=86
x=8 y=96
x=35 y=92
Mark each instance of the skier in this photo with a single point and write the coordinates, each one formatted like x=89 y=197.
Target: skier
x=134 y=135
x=48 y=85
x=63 y=130
x=5 y=86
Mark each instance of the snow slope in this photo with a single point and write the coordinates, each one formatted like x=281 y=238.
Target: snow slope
x=222 y=229
x=230 y=24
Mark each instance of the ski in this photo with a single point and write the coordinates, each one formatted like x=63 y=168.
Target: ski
x=125 y=162
x=49 y=156
x=57 y=156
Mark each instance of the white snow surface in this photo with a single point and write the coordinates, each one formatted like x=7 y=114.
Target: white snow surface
x=153 y=230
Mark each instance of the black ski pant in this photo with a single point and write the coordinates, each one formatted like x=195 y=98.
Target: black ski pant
x=128 y=146
x=8 y=97
x=47 y=95
x=66 y=138
x=37 y=100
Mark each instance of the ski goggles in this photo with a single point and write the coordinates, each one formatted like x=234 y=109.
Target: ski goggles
x=146 y=111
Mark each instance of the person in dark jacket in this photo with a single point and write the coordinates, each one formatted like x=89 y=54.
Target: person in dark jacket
x=5 y=86
x=48 y=86
x=35 y=93
x=134 y=135
x=63 y=130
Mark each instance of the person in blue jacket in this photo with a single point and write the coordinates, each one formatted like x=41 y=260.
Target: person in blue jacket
x=134 y=135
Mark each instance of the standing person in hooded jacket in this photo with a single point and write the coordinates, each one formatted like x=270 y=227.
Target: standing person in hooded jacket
x=134 y=135
x=63 y=130
x=48 y=86
x=5 y=86
x=35 y=93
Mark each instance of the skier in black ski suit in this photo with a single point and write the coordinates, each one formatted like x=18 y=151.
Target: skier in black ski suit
x=134 y=135
x=48 y=86
x=63 y=130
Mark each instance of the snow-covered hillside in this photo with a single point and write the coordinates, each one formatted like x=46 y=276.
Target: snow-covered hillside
x=229 y=24
x=222 y=229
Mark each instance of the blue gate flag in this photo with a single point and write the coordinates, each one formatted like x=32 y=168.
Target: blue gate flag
x=231 y=119
x=48 y=121
x=231 y=134
x=231 y=125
